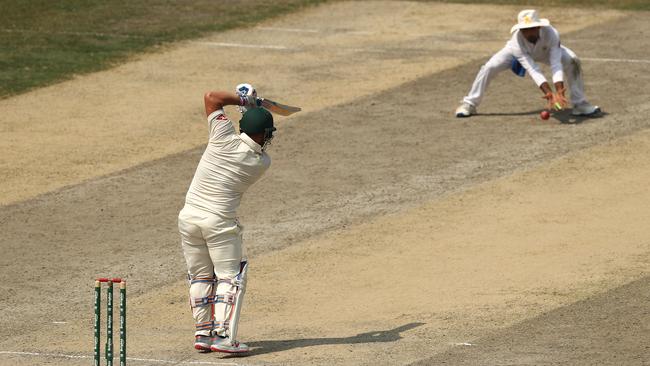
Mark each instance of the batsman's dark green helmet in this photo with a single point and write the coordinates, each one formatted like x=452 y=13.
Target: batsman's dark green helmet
x=257 y=120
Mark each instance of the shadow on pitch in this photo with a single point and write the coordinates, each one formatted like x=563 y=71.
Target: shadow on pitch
x=527 y=113
x=381 y=336
x=566 y=117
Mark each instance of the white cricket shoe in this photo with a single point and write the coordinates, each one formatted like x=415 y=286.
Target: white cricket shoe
x=585 y=109
x=203 y=343
x=465 y=110
x=225 y=345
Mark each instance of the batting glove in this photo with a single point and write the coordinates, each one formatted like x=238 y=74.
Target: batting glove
x=250 y=101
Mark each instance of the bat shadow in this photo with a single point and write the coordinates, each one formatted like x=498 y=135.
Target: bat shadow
x=380 y=336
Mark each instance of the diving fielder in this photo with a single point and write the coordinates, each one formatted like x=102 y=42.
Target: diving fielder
x=534 y=40
x=210 y=233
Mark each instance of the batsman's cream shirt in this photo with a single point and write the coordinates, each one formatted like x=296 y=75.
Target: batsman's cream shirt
x=230 y=164
x=546 y=49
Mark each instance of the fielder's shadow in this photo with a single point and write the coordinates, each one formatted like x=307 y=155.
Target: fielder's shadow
x=527 y=113
x=566 y=117
x=381 y=336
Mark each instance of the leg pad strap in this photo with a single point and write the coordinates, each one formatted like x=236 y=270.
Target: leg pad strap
x=196 y=302
x=205 y=325
x=224 y=324
x=226 y=299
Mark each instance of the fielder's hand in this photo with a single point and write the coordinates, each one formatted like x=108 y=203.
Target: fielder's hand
x=555 y=101
x=559 y=98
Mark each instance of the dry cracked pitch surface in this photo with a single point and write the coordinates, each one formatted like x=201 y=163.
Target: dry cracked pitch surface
x=386 y=232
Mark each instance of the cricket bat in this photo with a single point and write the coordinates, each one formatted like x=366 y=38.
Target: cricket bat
x=278 y=108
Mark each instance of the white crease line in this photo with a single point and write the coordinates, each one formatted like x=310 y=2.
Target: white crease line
x=371 y=50
x=68 y=33
x=360 y=33
x=41 y=354
x=151 y=360
x=293 y=30
x=616 y=60
x=182 y=362
x=306 y=30
x=241 y=45
x=348 y=32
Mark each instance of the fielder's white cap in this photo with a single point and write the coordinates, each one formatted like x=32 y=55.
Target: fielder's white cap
x=529 y=19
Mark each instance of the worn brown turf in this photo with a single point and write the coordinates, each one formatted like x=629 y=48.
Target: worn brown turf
x=404 y=232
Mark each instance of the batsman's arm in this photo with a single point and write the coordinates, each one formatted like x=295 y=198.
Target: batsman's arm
x=216 y=100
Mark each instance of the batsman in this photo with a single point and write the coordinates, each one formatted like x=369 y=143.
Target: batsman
x=211 y=235
x=534 y=40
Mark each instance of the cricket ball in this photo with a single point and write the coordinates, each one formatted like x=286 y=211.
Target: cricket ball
x=544 y=115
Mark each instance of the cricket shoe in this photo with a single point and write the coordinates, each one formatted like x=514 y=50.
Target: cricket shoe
x=203 y=343
x=585 y=109
x=222 y=344
x=465 y=110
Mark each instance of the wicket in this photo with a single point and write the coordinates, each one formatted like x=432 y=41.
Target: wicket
x=109 y=320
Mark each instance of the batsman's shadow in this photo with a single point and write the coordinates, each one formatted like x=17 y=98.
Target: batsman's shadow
x=380 y=336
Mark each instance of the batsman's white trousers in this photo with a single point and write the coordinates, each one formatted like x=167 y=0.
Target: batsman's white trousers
x=502 y=60
x=211 y=245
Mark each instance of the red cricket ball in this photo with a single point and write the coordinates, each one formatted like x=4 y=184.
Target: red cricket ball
x=544 y=115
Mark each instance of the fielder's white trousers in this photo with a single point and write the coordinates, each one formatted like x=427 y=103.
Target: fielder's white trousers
x=212 y=245
x=502 y=60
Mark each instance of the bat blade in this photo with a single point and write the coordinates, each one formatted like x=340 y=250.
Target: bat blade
x=278 y=108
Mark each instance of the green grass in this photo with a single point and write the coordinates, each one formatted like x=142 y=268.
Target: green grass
x=613 y=4
x=46 y=41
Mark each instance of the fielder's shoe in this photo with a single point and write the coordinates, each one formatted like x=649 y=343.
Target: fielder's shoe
x=585 y=109
x=222 y=344
x=465 y=110
x=203 y=343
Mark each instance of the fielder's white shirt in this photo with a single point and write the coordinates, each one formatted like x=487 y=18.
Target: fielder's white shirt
x=230 y=164
x=546 y=49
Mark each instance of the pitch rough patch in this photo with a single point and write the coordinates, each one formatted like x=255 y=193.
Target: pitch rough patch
x=435 y=276
x=610 y=328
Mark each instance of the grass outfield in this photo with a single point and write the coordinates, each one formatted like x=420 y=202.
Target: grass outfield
x=45 y=41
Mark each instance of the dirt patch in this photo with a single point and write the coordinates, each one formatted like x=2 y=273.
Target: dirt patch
x=610 y=328
x=429 y=278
